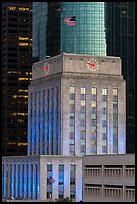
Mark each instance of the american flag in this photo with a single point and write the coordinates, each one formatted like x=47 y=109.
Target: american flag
x=70 y=21
x=52 y=180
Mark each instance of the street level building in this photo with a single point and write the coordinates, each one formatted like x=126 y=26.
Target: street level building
x=42 y=177
x=109 y=178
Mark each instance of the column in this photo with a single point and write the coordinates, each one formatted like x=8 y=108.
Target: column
x=34 y=181
x=43 y=179
x=21 y=177
x=12 y=181
x=25 y=180
x=66 y=179
x=55 y=184
x=78 y=180
x=29 y=180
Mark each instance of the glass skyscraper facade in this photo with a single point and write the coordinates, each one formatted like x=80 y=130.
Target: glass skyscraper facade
x=120 y=36
x=51 y=36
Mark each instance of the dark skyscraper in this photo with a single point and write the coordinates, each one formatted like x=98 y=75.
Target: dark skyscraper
x=16 y=75
x=120 y=34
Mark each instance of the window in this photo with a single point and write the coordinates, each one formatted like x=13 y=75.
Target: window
x=93 y=116
x=83 y=103
x=83 y=90
x=72 y=89
x=93 y=91
x=104 y=117
x=104 y=129
x=115 y=92
x=104 y=92
x=104 y=142
x=93 y=104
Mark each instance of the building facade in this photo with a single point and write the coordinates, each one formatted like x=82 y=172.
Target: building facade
x=102 y=28
x=16 y=75
x=120 y=38
x=109 y=178
x=42 y=178
x=51 y=36
x=77 y=106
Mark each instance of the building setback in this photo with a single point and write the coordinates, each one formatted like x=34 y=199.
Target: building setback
x=77 y=106
x=16 y=75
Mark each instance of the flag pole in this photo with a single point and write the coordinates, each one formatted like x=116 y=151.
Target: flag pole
x=75 y=40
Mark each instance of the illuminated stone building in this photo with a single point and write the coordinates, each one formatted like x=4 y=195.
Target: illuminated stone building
x=76 y=107
x=16 y=75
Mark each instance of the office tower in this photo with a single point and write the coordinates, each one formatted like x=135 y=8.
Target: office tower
x=76 y=106
x=120 y=23
x=51 y=36
x=16 y=75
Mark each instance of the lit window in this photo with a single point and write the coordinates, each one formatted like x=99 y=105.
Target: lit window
x=83 y=90
x=23 y=38
x=12 y=8
x=72 y=89
x=22 y=79
x=104 y=91
x=93 y=91
x=115 y=92
x=82 y=103
x=23 y=9
x=93 y=104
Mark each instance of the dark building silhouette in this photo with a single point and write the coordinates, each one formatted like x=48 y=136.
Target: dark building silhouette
x=16 y=75
x=120 y=32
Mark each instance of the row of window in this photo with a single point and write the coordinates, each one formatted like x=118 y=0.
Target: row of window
x=110 y=192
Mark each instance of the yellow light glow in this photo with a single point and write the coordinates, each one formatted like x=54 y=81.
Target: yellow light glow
x=23 y=44
x=12 y=8
x=13 y=114
x=22 y=79
x=24 y=114
x=22 y=96
x=21 y=90
x=14 y=96
x=23 y=9
x=23 y=38
x=22 y=143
